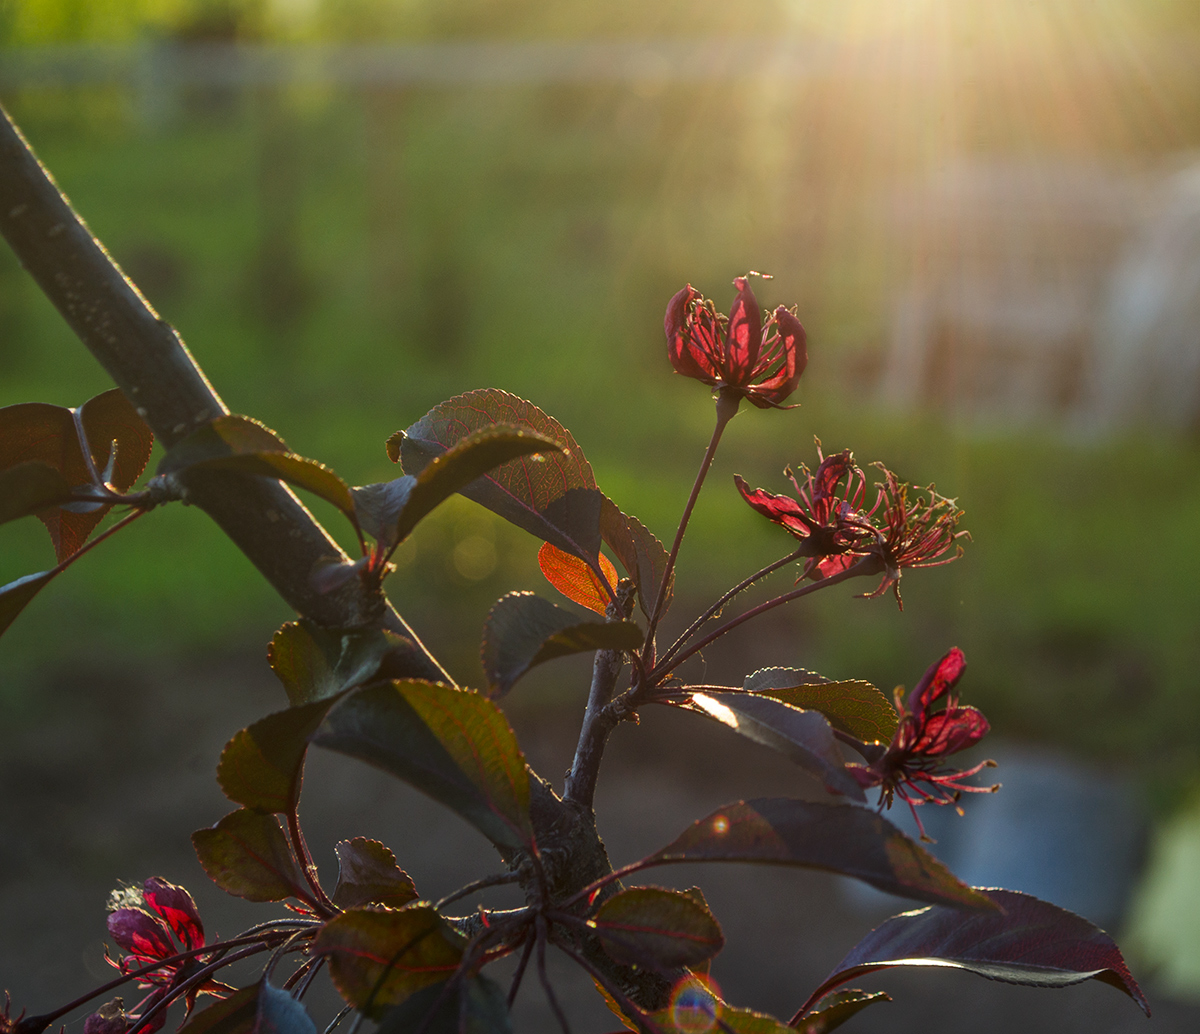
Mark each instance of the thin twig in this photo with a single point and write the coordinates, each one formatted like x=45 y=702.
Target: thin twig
x=338 y=1019
x=541 y=968
x=321 y=900
x=520 y=973
x=634 y=1013
x=488 y=881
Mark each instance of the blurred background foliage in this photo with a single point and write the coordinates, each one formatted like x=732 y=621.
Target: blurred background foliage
x=340 y=259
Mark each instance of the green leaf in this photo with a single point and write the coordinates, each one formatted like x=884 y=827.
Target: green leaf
x=35 y=431
x=316 y=663
x=475 y=1006
x=662 y=929
x=835 y=1009
x=247 y=855
x=399 y=951
x=855 y=707
x=523 y=630
x=553 y=496
x=15 y=596
x=262 y=766
x=368 y=875
x=803 y=736
x=29 y=487
x=837 y=838
x=449 y=743
x=236 y=1014
x=641 y=554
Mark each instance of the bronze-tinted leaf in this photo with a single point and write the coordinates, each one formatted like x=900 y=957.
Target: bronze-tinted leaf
x=641 y=554
x=844 y=839
x=316 y=663
x=552 y=496
x=662 y=929
x=576 y=579
x=15 y=596
x=1022 y=941
x=29 y=487
x=262 y=766
x=803 y=736
x=368 y=875
x=835 y=1009
x=452 y=744
x=474 y=1006
x=247 y=855
x=398 y=951
x=523 y=630
x=855 y=707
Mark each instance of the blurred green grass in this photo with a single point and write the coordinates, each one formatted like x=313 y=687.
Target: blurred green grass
x=339 y=264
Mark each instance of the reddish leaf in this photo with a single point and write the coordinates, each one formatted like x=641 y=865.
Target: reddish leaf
x=803 y=736
x=1026 y=941
x=854 y=707
x=835 y=1009
x=247 y=855
x=368 y=875
x=452 y=744
x=523 y=630
x=37 y=431
x=663 y=929
x=552 y=496
x=838 y=838
x=15 y=596
x=397 y=951
x=575 y=579
x=262 y=766
x=29 y=487
x=641 y=554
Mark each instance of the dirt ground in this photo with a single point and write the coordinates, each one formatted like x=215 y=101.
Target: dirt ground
x=105 y=776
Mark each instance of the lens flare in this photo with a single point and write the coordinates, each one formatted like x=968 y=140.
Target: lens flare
x=695 y=1005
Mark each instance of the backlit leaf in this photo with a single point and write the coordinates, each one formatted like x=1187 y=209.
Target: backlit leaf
x=663 y=929
x=855 y=707
x=316 y=663
x=641 y=554
x=29 y=487
x=452 y=744
x=523 y=630
x=368 y=874
x=575 y=579
x=236 y=1014
x=1025 y=941
x=413 y=946
x=475 y=1006
x=15 y=596
x=835 y=1009
x=280 y=1013
x=844 y=839
x=552 y=496
x=262 y=766
x=247 y=855
x=803 y=736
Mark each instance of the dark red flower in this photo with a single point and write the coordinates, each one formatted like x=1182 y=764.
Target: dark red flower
x=760 y=363
x=156 y=922
x=916 y=531
x=826 y=515
x=912 y=766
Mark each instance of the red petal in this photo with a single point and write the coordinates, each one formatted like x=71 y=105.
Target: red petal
x=744 y=338
x=938 y=680
x=950 y=731
x=176 y=906
x=141 y=934
x=781 y=509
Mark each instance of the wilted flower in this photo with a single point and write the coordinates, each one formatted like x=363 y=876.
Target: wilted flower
x=156 y=922
x=826 y=515
x=760 y=363
x=912 y=766
x=916 y=531
x=110 y=1018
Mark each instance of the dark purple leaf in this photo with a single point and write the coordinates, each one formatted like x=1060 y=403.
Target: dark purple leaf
x=844 y=839
x=523 y=630
x=474 y=1006
x=452 y=744
x=29 y=487
x=247 y=855
x=662 y=929
x=552 y=496
x=316 y=663
x=1026 y=941
x=803 y=736
x=368 y=875
x=835 y=1009
x=855 y=707
x=641 y=554
x=15 y=596
x=236 y=1014
x=380 y=956
x=262 y=766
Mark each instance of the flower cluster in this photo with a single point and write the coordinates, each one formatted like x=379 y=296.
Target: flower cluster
x=739 y=353
x=912 y=767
